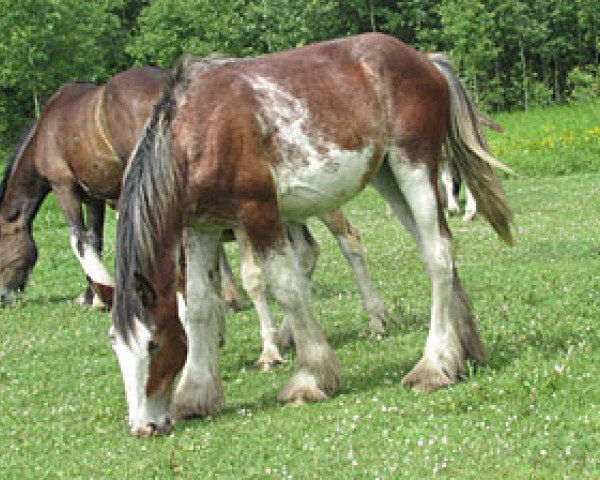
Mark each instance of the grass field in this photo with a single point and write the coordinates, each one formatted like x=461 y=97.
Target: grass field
x=533 y=411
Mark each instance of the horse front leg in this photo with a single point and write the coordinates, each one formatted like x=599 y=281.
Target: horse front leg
x=96 y=210
x=85 y=247
x=348 y=240
x=306 y=249
x=199 y=392
x=317 y=372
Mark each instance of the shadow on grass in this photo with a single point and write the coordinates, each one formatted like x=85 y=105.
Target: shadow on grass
x=25 y=301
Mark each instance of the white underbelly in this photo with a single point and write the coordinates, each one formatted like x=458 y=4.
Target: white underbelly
x=315 y=185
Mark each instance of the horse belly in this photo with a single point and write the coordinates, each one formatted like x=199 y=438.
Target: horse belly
x=314 y=185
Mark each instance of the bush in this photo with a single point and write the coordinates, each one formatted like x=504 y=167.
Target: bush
x=583 y=83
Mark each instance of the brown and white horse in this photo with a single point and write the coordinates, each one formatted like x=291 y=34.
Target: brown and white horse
x=278 y=138
x=77 y=149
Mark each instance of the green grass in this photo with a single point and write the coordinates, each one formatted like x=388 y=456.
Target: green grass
x=553 y=141
x=532 y=412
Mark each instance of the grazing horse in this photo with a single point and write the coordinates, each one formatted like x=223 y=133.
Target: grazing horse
x=252 y=144
x=76 y=149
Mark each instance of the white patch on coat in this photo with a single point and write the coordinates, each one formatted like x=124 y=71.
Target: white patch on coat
x=313 y=175
x=91 y=263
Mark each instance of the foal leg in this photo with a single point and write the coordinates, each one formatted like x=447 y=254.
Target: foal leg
x=448 y=192
x=453 y=336
x=470 y=206
x=228 y=291
x=255 y=286
x=199 y=391
x=349 y=241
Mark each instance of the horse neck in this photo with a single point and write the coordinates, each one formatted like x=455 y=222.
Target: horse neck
x=24 y=188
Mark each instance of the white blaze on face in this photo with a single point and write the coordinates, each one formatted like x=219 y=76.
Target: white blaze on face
x=313 y=175
x=134 y=360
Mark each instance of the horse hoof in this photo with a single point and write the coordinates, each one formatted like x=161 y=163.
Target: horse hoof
x=301 y=388
x=425 y=377
x=378 y=323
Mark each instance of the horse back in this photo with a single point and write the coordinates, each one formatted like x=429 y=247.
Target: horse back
x=318 y=119
x=127 y=103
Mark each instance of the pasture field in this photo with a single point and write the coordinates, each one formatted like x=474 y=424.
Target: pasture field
x=533 y=411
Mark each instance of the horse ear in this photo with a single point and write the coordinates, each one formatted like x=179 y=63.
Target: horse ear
x=103 y=291
x=144 y=290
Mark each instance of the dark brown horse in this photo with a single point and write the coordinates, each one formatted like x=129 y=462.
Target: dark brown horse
x=77 y=149
x=252 y=144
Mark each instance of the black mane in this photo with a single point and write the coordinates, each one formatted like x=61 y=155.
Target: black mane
x=14 y=156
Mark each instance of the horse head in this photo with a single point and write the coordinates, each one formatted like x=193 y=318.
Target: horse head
x=18 y=254
x=151 y=353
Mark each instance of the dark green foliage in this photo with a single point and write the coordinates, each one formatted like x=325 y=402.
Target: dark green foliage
x=512 y=54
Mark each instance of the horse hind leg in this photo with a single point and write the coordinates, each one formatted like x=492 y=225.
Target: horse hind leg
x=449 y=194
x=349 y=242
x=453 y=336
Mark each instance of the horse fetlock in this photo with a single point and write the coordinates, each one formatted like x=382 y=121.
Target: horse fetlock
x=269 y=358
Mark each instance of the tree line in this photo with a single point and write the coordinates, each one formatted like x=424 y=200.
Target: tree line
x=512 y=54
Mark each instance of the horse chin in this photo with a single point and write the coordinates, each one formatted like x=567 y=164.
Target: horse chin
x=9 y=290
x=6 y=298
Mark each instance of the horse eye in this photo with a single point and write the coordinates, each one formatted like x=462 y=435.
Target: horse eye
x=152 y=347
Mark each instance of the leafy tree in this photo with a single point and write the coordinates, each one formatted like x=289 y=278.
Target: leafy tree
x=46 y=43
